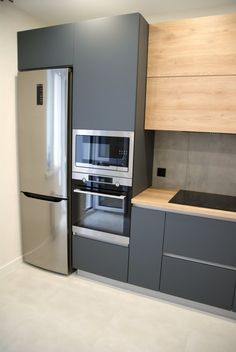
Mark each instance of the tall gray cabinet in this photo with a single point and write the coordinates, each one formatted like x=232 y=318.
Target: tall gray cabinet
x=108 y=57
x=105 y=74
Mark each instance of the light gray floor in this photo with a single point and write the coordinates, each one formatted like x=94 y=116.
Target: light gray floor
x=45 y=312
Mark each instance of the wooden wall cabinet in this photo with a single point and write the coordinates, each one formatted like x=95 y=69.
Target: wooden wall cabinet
x=193 y=47
x=197 y=104
x=192 y=75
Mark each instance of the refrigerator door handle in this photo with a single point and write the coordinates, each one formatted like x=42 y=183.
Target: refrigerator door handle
x=41 y=197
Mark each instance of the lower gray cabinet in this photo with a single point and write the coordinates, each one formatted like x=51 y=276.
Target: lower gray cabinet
x=146 y=241
x=100 y=258
x=198 y=282
x=234 y=305
x=201 y=238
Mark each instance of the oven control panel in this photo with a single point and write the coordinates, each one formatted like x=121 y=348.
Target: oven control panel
x=117 y=181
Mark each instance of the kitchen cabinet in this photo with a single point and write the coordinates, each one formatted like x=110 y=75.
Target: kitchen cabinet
x=197 y=104
x=109 y=61
x=107 y=79
x=199 y=261
x=193 y=47
x=146 y=241
x=198 y=282
x=234 y=304
x=201 y=238
x=46 y=47
x=100 y=258
x=191 y=75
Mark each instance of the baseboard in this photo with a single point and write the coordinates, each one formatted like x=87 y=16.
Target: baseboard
x=160 y=296
x=11 y=266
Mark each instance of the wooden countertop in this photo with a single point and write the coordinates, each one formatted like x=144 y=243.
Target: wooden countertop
x=155 y=198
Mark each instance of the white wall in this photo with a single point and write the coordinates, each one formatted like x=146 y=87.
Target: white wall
x=191 y=13
x=11 y=21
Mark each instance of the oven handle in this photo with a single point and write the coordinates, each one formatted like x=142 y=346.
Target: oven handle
x=99 y=194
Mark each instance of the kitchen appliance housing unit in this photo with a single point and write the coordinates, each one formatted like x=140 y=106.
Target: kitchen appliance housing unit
x=44 y=146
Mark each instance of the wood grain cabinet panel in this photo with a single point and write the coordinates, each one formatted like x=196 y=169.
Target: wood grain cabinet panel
x=198 y=46
x=198 y=104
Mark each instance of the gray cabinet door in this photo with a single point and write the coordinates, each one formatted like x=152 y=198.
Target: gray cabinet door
x=201 y=238
x=105 y=73
x=198 y=282
x=46 y=47
x=147 y=228
x=100 y=258
x=234 y=305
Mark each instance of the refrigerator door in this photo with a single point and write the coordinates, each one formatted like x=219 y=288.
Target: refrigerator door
x=45 y=233
x=43 y=115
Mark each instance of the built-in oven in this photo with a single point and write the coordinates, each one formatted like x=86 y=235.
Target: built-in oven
x=101 y=210
x=103 y=153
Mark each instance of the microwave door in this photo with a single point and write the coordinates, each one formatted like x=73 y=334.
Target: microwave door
x=101 y=151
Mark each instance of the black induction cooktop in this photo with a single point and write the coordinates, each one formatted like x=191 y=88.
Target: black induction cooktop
x=205 y=200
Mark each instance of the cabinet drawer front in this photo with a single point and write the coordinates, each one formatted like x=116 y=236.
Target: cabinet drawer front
x=198 y=282
x=100 y=258
x=146 y=241
x=201 y=238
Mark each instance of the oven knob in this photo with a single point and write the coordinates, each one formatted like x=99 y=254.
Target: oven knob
x=84 y=180
x=117 y=184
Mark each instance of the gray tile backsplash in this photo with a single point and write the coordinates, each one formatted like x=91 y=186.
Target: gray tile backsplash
x=203 y=162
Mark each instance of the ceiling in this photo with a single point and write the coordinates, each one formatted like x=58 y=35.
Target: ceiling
x=63 y=11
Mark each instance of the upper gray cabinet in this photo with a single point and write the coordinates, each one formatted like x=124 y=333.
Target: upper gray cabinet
x=109 y=59
x=46 y=47
x=109 y=72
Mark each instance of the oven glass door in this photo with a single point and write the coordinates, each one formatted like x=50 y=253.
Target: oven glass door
x=100 y=211
x=102 y=151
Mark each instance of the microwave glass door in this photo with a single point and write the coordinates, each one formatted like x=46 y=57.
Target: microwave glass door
x=103 y=151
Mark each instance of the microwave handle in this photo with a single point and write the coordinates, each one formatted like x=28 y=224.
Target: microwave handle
x=99 y=194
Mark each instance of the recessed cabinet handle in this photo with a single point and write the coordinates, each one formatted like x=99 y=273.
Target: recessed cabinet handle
x=99 y=194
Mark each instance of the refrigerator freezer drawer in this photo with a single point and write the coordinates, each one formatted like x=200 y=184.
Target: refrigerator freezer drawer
x=45 y=233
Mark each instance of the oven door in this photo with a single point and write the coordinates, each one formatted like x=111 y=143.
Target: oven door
x=101 y=215
x=101 y=151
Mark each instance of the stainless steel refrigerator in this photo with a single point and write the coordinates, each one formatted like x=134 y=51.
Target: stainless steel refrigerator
x=43 y=136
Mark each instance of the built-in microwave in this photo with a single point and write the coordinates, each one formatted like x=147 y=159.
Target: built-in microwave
x=107 y=153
